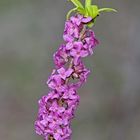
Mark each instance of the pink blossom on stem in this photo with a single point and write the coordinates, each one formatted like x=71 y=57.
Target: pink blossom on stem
x=57 y=108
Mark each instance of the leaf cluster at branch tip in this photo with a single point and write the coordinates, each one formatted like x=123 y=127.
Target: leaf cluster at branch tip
x=88 y=10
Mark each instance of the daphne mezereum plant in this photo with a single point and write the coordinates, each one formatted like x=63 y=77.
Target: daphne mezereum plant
x=57 y=108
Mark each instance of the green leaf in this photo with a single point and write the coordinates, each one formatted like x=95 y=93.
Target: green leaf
x=88 y=11
x=81 y=10
x=95 y=11
x=72 y=10
x=90 y=24
x=87 y=3
x=77 y=3
x=107 y=10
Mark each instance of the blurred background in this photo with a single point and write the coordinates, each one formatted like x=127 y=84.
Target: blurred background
x=31 y=31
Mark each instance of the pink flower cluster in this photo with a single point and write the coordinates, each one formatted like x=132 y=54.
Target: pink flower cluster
x=56 y=109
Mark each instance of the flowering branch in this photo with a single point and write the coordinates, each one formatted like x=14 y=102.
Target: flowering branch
x=57 y=109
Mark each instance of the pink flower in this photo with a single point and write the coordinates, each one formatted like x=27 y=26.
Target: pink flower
x=64 y=73
x=86 y=19
x=90 y=41
x=77 y=20
x=69 y=45
x=78 y=51
x=70 y=94
x=56 y=108
x=71 y=32
x=60 y=57
x=55 y=82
